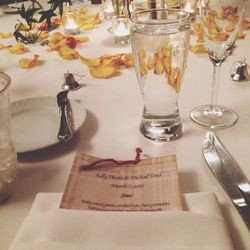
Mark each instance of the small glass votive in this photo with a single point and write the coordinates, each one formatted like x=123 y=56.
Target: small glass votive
x=121 y=30
x=189 y=6
x=171 y=3
x=108 y=9
x=71 y=22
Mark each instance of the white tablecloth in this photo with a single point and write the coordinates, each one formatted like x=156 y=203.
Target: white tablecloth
x=114 y=110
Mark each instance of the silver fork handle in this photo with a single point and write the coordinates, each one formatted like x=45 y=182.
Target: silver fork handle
x=64 y=133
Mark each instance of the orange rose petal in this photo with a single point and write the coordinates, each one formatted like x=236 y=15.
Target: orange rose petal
x=106 y=66
x=57 y=36
x=90 y=62
x=2 y=46
x=128 y=60
x=67 y=53
x=240 y=34
x=245 y=25
x=230 y=26
x=44 y=35
x=222 y=36
x=88 y=26
x=27 y=63
x=102 y=71
x=6 y=34
x=83 y=10
x=81 y=39
x=18 y=48
x=198 y=48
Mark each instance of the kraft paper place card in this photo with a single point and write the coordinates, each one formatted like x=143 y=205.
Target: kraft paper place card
x=150 y=185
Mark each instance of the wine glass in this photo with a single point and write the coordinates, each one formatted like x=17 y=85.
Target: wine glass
x=221 y=20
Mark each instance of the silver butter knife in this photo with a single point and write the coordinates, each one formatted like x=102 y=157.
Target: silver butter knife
x=228 y=174
x=65 y=130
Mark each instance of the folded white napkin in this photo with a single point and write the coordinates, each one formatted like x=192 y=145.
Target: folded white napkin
x=48 y=227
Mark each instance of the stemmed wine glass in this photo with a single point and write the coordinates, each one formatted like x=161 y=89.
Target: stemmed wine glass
x=221 y=20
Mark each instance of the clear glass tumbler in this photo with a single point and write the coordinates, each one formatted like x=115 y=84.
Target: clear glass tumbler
x=160 y=44
x=8 y=158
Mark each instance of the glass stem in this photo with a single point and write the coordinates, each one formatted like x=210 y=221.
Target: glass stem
x=215 y=85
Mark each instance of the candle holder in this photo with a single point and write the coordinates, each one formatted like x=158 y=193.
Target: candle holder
x=189 y=6
x=71 y=22
x=120 y=29
x=108 y=9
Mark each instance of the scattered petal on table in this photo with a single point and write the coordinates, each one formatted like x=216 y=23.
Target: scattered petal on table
x=198 y=31
x=102 y=71
x=245 y=24
x=67 y=53
x=3 y=46
x=91 y=62
x=18 y=48
x=44 y=35
x=89 y=20
x=55 y=23
x=241 y=34
x=81 y=39
x=28 y=63
x=87 y=26
x=6 y=34
x=55 y=41
x=59 y=40
x=198 y=48
x=83 y=9
x=107 y=65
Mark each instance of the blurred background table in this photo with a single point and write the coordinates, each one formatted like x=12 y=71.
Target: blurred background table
x=11 y=1
x=111 y=128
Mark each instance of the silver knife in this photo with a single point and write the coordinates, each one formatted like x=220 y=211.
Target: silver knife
x=228 y=174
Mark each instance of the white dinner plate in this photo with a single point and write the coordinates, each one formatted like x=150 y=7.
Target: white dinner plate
x=35 y=122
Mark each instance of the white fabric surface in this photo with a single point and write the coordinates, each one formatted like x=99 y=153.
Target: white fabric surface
x=111 y=129
x=201 y=227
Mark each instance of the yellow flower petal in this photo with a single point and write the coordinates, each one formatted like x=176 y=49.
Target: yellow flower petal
x=6 y=34
x=198 y=48
x=88 y=26
x=18 y=48
x=28 y=63
x=67 y=53
x=89 y=61
x=81 y=39
x=102 y=71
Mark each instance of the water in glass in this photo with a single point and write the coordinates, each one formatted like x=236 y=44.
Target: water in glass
x=160 y=48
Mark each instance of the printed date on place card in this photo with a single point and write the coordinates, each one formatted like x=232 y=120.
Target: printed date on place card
x=150 y=185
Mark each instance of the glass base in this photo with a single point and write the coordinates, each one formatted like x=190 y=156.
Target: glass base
x=214 y=116
x=161 y=132
x=122 y=40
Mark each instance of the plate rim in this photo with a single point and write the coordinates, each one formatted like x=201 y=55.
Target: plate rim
x=53 y=142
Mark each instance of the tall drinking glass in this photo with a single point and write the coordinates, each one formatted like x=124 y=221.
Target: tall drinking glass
x=221 y=21
x=160 y=42
x=8 y=160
